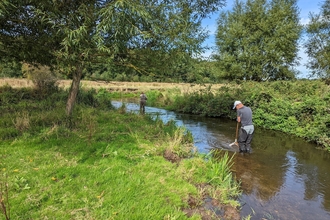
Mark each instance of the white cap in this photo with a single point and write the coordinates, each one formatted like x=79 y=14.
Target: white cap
x=236 y=103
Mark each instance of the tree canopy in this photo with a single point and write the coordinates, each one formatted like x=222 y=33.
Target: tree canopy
x=258 y=40
x=318 y=42
x=69 y=35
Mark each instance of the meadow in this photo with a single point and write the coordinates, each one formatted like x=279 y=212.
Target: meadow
x=102 y=163
x=114 y=86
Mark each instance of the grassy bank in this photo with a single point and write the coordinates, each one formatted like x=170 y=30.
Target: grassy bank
x=102 y=163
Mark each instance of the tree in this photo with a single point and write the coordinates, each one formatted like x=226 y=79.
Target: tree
x=23 y=35
x=70 y=34
x=318 y=42
x=258 y=40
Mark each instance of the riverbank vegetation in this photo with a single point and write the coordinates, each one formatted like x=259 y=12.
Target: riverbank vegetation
x=297 y=107
x=103 y=163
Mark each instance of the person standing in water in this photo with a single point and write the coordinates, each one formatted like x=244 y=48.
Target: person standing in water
x=143 y=102
x=244 y=116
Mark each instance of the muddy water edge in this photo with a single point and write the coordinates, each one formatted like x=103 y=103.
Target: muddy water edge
x=283 y=178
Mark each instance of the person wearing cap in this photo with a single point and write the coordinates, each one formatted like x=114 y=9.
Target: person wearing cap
x=143 y=102
x=244 y=116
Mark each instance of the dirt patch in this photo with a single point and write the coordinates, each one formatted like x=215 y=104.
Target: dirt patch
x=209 y=208
x=231 y=213
x=223 y=212
x=171 y=156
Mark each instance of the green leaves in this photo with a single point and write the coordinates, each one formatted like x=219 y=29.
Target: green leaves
x=258 y=40
x=318 y=43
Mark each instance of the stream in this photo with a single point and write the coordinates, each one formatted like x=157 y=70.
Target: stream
x=283 y=178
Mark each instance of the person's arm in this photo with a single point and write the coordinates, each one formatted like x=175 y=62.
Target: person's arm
x=239 y=114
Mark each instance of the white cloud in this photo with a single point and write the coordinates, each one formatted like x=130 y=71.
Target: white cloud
x=304 y=21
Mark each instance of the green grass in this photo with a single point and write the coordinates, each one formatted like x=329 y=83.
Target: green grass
x=107 y=164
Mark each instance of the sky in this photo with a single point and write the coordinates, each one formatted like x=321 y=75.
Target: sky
x=305 y=6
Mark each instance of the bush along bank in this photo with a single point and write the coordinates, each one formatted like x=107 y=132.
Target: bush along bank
x=103 y=163
x=300 y=108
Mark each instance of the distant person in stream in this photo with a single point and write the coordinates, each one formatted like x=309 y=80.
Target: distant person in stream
x=143 y=102
x=244 y=116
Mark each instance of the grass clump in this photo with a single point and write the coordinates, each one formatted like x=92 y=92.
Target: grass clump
x=108 y=164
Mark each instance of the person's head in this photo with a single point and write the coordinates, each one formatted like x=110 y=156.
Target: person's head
x=237 y=104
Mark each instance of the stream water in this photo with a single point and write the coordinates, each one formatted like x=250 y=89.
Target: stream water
x=283 y=178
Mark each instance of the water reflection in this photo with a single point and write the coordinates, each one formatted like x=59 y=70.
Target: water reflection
x=284 y=178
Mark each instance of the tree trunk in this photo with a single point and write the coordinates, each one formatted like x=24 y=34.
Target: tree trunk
x=74 y=89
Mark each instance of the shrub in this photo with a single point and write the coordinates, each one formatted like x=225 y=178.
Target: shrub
x=22 y=122
x=44 y=80
x=8 y=133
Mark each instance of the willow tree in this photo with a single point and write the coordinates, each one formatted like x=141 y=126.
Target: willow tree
x=70 y=34
x=318 y=42
x=258 y=40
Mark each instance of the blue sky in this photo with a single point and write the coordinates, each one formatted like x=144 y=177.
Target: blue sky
x=305 y=6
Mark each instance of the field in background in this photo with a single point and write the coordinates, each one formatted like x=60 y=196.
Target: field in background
x=115 y=86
